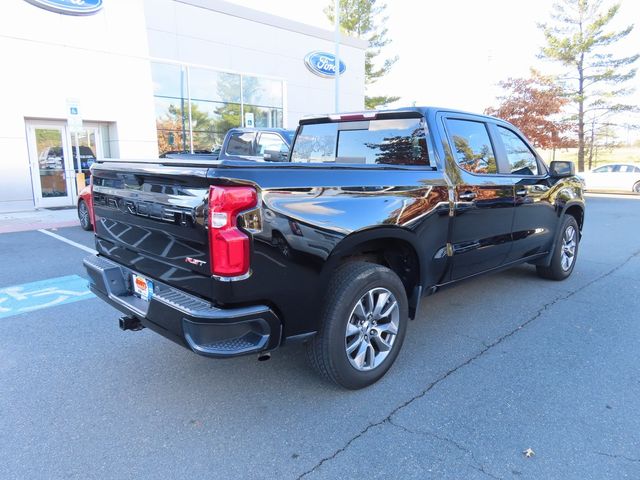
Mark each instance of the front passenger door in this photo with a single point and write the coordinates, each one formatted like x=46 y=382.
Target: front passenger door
x=484 y=199
x=271 y=147
x=535 y=219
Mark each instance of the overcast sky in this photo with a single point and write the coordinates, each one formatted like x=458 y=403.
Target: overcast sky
x=453 y=52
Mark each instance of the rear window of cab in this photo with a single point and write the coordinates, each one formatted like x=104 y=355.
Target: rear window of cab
x=400 y=141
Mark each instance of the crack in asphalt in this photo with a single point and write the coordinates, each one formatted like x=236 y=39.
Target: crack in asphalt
x=611 y=455
x=475 y=339
x=468 y=361
x=479 y=466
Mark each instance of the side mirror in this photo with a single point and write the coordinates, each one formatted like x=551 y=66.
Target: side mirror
x=274 y=156
x=560 y=169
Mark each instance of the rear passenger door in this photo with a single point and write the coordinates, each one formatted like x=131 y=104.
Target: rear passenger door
x=484 y=199
x=621 y=178
x=535 y=219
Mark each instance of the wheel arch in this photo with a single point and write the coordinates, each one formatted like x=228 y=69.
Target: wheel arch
x=393 y=247
x=576 y=210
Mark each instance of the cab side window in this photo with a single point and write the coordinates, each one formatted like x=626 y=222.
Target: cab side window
x=271 y=141
x=522 y=161
x=472 y=146
x=241 y=144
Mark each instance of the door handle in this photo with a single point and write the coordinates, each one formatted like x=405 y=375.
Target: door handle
x=467 y=196
x=522 y=192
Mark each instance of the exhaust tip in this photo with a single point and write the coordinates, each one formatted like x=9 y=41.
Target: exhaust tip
x=263 y=357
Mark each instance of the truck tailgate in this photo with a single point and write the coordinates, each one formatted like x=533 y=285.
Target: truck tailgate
x=152 y=219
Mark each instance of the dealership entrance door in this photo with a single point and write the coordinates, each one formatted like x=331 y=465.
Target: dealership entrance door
x=56 y=156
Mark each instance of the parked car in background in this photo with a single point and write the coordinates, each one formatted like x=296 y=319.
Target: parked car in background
x=83 y=158
x=51 y=158
x=615 y=177
x=257 y=144
x=85 y=209
x=270 y=144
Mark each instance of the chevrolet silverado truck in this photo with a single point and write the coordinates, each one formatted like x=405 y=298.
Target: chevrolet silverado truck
x=334 y=247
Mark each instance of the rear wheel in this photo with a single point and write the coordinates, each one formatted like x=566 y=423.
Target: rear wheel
x=565 y=253
x=83 y=215
x=364 y=322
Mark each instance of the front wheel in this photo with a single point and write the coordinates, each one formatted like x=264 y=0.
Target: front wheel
x=636 y=188
x=565 y=253
x=364 y=322
x=83 y=215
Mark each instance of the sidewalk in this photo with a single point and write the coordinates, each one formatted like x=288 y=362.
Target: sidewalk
x=36 y=219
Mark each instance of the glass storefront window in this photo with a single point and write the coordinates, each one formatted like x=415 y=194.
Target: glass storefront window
x=265 y=117
x=210 y=121
x=264 y=92
x=169 y=80
x=195 y=107
x=214 y=86
x=173 y=141
x=172 y=123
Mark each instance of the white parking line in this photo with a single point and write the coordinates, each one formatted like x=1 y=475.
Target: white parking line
x=70 y=242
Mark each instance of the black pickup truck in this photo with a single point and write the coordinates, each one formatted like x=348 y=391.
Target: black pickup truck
x=335 y=247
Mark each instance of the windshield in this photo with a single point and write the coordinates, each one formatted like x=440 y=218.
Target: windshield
x=392 y=142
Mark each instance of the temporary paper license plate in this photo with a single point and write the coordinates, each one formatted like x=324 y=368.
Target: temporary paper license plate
x=142 y=287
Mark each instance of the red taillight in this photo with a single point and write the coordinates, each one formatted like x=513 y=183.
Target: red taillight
x=229 y=246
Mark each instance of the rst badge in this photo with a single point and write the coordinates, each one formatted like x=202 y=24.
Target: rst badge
x=323 y=64
x=69 y=7
x=194 y=261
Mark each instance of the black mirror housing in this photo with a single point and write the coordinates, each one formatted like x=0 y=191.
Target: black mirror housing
x=274 y=156
x=562 y=169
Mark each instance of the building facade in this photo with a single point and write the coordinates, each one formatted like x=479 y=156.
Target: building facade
x=139 y=78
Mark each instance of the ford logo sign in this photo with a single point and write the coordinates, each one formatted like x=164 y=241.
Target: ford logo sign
x=323 y=64
x=69 y=7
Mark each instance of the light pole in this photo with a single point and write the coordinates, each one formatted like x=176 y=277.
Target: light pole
x=336 y=9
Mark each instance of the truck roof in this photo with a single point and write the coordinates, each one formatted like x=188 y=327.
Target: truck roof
x=385 y=113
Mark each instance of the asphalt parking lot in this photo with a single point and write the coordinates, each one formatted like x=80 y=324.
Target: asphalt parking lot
x=491 y=368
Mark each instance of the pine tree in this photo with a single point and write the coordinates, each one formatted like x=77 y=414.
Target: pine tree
x=578 y=38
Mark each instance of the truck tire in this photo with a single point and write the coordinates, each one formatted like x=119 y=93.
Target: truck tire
x=364 y=320
x=565 y=252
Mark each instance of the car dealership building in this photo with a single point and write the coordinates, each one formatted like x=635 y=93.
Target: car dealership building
x=137 y=78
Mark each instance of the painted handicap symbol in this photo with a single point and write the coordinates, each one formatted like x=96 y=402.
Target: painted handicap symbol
x=42 y=294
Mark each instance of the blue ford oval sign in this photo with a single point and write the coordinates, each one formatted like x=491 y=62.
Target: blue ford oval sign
x=69 y=7
x=323 y=64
